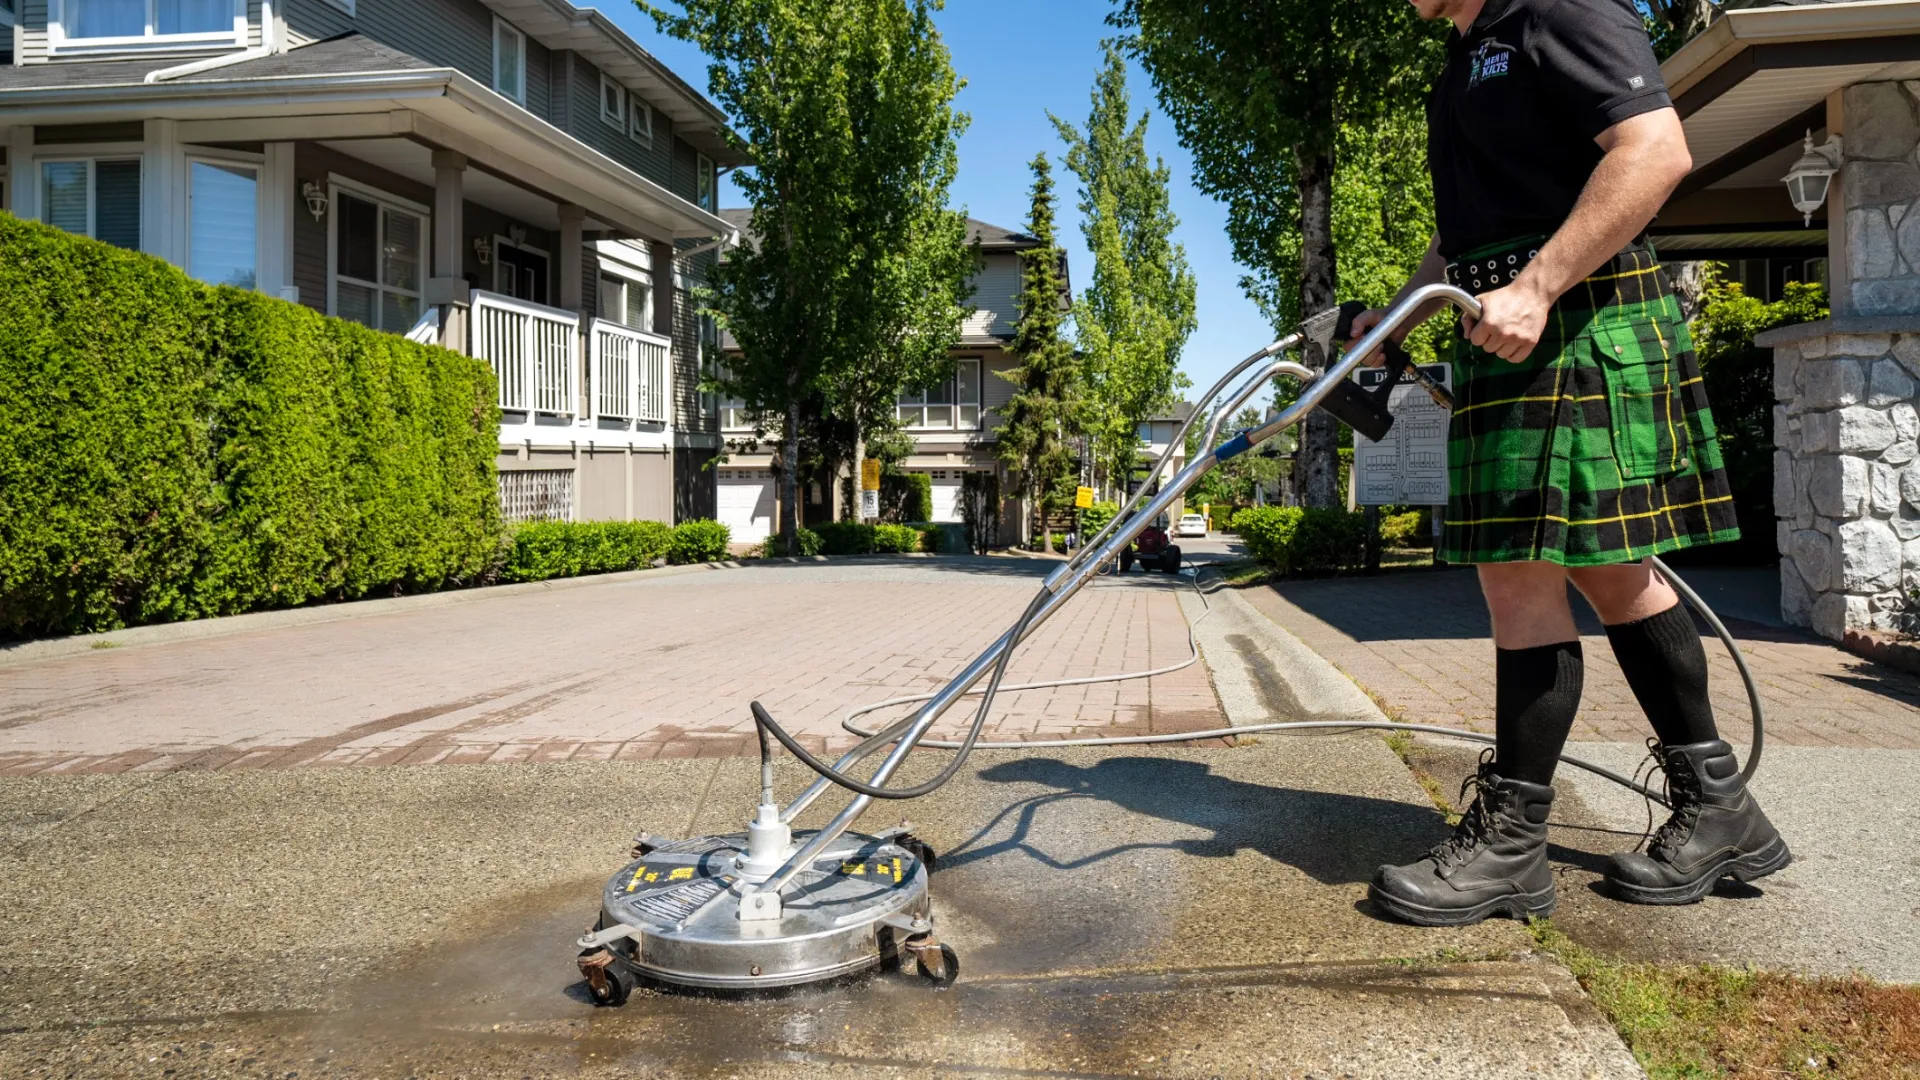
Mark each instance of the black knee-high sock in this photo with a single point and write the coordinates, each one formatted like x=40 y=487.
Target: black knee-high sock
x=1536 y=694
x=1666 y=665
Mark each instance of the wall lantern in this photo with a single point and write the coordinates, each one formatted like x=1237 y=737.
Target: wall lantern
x=316 y=197
x=1807 y=181
x=483 y=250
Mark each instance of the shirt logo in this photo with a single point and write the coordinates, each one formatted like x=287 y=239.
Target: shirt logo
x=1490 y=61
x=1636 y=82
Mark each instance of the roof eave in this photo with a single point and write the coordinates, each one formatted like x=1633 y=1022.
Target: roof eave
x=1734 y=31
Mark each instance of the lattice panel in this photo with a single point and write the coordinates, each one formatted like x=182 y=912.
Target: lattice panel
x=536 y=495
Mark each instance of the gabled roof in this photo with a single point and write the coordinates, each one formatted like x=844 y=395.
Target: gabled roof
x=345 y=54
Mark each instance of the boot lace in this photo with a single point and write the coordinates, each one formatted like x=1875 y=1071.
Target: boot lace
x=1476 y=824
x=1681 y=789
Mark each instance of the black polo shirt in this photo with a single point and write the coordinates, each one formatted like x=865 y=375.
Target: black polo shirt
x=1511 y=123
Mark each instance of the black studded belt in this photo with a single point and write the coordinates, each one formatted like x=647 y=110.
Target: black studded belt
x=1488 y=271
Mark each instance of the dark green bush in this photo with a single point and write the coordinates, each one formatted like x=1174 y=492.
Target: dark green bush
x=776 y=545
x=171 y=450
x=1403 y=530
x=558 y=549
x=906 y=497
x=698 y=540
x=845 y=538
x=903 y=538
x=1303 y=541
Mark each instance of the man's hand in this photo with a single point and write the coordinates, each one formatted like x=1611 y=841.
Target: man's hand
x=1364 y=322
x=1511 y=320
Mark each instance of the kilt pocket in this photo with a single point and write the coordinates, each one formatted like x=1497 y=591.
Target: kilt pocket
x=1648 y=423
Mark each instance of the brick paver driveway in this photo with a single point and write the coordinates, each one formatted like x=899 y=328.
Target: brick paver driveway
x=633 y=669
x=1421 y=642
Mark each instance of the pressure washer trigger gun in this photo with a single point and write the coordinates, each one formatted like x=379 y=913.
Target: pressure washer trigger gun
x=1365 y=411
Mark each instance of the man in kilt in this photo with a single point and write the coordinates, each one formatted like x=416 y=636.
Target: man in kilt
x=1580 y=444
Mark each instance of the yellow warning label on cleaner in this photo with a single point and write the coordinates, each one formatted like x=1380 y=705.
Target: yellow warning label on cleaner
x=885 y=869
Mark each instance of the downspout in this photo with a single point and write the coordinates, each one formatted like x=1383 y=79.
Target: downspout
x=731 y=239
x=269 y=44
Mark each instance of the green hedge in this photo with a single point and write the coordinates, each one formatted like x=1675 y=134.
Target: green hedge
x=843 y=538
x=1294 y=540
x=698 y=540
x=906 y=496
x=559 y=549
x=1095 y=517
x=776 y=545
x=172 y=450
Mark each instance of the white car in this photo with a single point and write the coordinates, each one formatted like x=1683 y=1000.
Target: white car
x=1191 y=525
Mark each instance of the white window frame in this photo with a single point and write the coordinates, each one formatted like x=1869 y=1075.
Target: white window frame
x=639 y=130
x=60 y=43
x=91 y=158
x=632 y=275
x=500 y=25
x=703 y=170
x=337 y=184
x=917 y=399
x=262 y=217
x=611 y=90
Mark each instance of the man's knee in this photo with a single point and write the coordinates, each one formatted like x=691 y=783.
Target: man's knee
x=1515 y=587
x=1624 y=593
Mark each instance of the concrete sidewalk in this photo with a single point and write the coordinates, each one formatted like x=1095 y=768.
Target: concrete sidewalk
x=1179 y=913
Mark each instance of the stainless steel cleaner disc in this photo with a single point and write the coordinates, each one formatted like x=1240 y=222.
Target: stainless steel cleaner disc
x=858 y=904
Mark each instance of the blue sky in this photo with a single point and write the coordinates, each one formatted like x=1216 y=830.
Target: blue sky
x=1020 y=60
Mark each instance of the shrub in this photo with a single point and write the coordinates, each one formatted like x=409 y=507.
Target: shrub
x=898 y=538
x=1294 y=540
x=776 y=545
x=845 y=538
x=172 y=450
x=1403 y=530
x=1095 y=517
x=698 y=540
x=906 y=497
x=980 y=509
x=556 y=549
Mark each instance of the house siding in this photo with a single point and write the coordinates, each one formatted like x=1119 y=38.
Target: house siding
x=312 y=161
x=583 y=110
x=996 y=293
x=454 y=33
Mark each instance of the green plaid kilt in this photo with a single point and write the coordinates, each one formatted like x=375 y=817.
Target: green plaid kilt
x=1598 y=448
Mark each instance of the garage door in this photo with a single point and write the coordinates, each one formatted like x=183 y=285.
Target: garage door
x=746 y=503
x=946 y=494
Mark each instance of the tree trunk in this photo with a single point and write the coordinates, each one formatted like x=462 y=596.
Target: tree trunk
x=859 y=470
x=1691 y=16
x=790 y=482
x=1317 y=465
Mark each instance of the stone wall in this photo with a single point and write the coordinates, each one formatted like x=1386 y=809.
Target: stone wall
x=1846 y=482
x=1881 y=178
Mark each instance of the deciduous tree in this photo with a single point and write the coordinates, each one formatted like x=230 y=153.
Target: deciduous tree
x=855 y=279
x=1135 y=316
x=1260 y=91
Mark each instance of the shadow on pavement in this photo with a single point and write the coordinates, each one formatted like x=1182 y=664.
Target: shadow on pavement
x=1333 y=838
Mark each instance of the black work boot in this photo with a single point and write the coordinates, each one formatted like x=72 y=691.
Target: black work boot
x=1716 y=830
x=1494 y=863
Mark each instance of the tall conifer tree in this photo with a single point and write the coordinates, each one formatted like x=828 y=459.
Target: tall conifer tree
x=1043 y=419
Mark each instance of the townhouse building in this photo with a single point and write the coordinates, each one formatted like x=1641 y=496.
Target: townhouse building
x=515 y=179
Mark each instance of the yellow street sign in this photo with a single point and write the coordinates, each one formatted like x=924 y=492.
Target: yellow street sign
x=870 y=475
x=1083 y=497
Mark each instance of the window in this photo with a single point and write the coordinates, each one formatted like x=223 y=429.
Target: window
x=100 y=199
x=137 y=23
x=734 y=414
x=509 y=61
x=706 y=181
x=223 y=222
x=952 y=403
x=613 y=102
x=641 y=115
x=625 y=301
x=377 y=249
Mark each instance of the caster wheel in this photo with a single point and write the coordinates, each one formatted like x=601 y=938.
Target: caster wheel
x=940 y=967
x=606 y=983
x=920 y=849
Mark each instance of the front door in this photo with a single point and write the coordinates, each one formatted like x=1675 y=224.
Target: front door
x=522 y=274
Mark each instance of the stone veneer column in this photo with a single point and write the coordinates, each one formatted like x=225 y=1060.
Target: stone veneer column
x=1846 y=485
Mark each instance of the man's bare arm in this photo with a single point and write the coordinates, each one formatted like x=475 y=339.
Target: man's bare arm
x=1646 y=158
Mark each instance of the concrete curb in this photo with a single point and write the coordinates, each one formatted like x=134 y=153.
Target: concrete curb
x=1262 y=673
x=53 y=648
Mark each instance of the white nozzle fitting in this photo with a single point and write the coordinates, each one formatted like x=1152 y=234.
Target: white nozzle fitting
x=769 y=844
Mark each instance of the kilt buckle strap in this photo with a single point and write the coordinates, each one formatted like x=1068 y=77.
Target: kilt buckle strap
x=1490 y=272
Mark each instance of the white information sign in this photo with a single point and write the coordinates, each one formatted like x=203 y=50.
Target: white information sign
x=869 y=504
x=1410 y=467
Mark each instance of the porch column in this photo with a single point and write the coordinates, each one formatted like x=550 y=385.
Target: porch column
x=571 y=256
x=23 y=177
x=279 y=197
x=447 y=288
x=163 y=193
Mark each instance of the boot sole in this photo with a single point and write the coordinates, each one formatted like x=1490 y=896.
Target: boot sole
x=1516 y=906
x=1742 y=868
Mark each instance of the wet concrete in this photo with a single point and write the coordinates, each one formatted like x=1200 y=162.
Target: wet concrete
x=1168 y=913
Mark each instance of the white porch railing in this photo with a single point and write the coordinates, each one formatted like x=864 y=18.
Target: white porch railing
x=629 y=374
x=534 y=350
